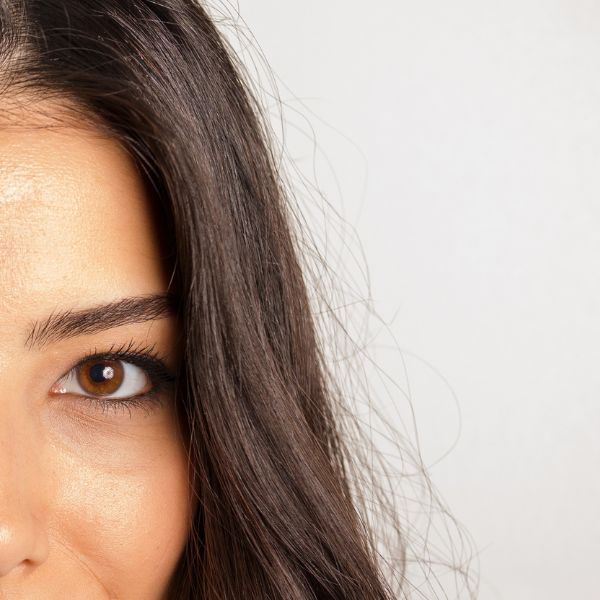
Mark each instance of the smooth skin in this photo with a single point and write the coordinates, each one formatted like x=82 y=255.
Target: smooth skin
x=94 y=502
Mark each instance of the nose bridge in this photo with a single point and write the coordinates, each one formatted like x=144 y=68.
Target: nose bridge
x=22 y=533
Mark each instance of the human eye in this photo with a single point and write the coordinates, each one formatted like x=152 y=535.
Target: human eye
x=119 y=379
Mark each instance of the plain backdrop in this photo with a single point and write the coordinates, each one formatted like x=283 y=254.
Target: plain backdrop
x=462 y=141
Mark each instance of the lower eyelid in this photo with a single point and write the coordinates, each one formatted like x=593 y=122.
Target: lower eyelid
x=94 y=408
x=145 y=403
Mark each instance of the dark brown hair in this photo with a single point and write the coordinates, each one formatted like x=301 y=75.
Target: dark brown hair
x=275 y=516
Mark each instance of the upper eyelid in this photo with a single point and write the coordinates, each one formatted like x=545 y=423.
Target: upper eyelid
x=133 y=358
x=128 y=350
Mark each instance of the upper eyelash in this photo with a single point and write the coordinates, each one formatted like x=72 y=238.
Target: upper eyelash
x=129 y=349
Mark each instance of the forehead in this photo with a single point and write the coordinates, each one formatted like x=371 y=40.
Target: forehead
x=75 y=221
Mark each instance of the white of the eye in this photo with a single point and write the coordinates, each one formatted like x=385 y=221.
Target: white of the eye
x=135 y=380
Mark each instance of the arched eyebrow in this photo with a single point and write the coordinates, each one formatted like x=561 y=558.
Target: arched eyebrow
x=72 y=323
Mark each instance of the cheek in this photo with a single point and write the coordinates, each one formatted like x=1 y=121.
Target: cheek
x=123 y=508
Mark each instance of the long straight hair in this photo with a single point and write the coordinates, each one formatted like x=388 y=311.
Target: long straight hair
x=275 y=516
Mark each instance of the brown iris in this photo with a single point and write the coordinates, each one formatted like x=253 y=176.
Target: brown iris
x=100 y=377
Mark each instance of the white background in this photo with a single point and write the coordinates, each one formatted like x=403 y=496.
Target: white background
x=465 y=139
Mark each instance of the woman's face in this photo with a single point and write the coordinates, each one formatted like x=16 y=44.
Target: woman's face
x=93 y=488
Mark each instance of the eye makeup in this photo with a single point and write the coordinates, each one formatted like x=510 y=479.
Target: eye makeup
x=145 y=358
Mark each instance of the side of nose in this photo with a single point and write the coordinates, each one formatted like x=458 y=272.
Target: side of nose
x=21 y=542
x=23 y=538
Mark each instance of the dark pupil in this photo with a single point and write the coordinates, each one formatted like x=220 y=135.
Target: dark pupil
x=96 y=373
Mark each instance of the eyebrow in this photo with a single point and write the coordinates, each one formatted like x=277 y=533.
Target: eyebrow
x=72 y=323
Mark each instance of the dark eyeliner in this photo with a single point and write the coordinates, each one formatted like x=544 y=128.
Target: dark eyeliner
x=161 y=377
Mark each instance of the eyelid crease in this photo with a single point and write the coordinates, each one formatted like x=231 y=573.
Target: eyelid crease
x=130 y=349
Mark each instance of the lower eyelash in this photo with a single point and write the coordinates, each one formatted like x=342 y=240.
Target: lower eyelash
x=146 y=402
